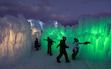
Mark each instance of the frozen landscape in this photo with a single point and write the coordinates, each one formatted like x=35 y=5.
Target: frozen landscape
x=18 y=35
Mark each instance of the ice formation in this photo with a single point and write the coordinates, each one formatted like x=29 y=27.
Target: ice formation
x=36 y=27
x=97 y=30
x=15 y=39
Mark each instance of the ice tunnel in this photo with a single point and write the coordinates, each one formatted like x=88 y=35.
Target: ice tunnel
x=36 y=30
x=97 y=30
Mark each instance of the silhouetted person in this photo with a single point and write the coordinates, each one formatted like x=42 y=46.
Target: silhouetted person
x=76 y=47
x=63 y=47
x=36 y=43
x=50 y=42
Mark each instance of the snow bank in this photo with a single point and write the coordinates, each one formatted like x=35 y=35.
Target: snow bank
x=15 y=39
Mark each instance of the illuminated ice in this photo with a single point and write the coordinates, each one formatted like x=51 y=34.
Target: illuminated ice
x=97 y=30
x=15 y=39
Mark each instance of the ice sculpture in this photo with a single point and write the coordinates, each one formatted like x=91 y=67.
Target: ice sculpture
x=15 y=39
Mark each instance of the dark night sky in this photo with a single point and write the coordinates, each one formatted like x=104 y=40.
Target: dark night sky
x=65 y=11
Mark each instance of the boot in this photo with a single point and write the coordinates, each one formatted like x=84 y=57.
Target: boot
x=58 y=61
x=67 y=61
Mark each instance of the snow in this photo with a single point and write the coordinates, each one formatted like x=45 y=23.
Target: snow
x=41 y=60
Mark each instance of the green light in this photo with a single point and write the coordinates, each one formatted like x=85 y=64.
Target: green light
x=90 y=29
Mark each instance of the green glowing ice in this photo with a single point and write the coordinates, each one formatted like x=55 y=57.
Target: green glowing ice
x=95 y=30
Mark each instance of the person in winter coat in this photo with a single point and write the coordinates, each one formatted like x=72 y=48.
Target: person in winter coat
x=76 y=47
x=50 y=42
x=63 y=47
x=36 y=44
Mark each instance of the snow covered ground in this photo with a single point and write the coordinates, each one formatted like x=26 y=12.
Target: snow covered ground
x=41 y=60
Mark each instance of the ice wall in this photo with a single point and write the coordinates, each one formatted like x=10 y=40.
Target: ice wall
x=97 y=30
x=15 y=39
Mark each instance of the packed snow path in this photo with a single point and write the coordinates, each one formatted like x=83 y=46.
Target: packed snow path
x=41 y=60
